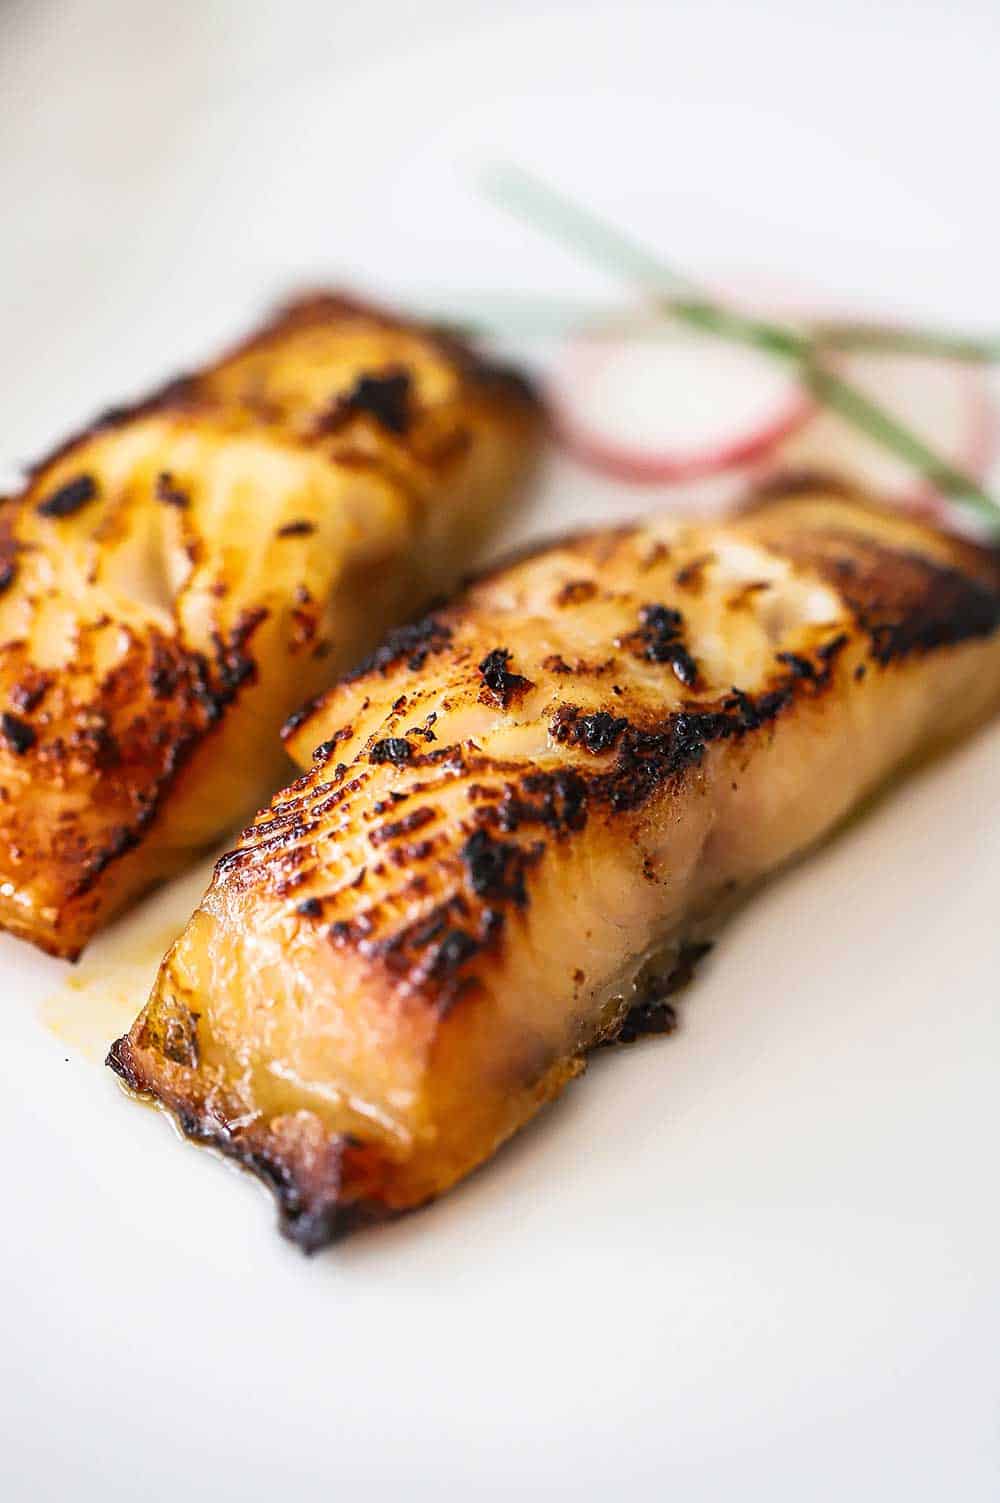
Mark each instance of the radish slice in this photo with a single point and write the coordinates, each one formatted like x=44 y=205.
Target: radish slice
x=675 y=405
x=944 y=402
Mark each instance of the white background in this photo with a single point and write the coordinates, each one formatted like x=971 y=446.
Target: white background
x=757 y=1260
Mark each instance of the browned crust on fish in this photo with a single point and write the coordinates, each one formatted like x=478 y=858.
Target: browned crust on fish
x=191 y=390
x=429 y=952
x=306 y=1170
x=99 y=748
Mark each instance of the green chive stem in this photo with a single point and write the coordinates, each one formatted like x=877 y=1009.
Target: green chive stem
x=521 y=193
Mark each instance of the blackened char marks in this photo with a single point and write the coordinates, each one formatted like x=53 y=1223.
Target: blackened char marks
x=904 y=601
x=394 y=829
x=800 y=667
x=233 y=665
x=433 y=949
x=167 y=491
x=659 y=640
x=411 y=644
x=500 y=684
x=828 y=654
x=682 y=971
x=496 y=868
x=157 y=746
x=692 y=576
x=17 y=733
x=164 y=670
x=324 y=751
x=556 y=663
x=391 y=749
x=180 y=1038
x=949 y=608
x=649 y=757
x=32 y=689
x=300 y=716
x=424 y=730
x=307 y=1186
x=652 y=1012
x=597 y=733
x=576 y=592
x=652 y=1015
x=659 y=628
x=453 y=951
x=382 y=395
x=69 y=498
x=450 y=343
x=555 y=800
x=751 y=712
x=311 y=1216
x=121 y=841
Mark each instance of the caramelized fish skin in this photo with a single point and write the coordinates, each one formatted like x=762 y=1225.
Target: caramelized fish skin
x=179 y=577
x=521 y=799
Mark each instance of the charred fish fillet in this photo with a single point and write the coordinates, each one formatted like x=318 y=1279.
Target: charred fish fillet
x=176 y=579
x=518 y=805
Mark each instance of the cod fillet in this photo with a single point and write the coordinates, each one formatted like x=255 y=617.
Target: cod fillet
x=176 y=579
x=522 y=809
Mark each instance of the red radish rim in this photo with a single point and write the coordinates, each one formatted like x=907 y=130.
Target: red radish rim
x=976 y=454
x=673 y=466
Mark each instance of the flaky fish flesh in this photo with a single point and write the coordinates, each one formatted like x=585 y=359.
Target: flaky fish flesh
x=523 y=808
x=176 y=579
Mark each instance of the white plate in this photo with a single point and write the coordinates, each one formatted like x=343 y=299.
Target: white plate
x=755 y=1260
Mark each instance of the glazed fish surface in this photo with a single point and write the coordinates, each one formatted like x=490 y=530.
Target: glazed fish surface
x=175 y=580
x=519 y=809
